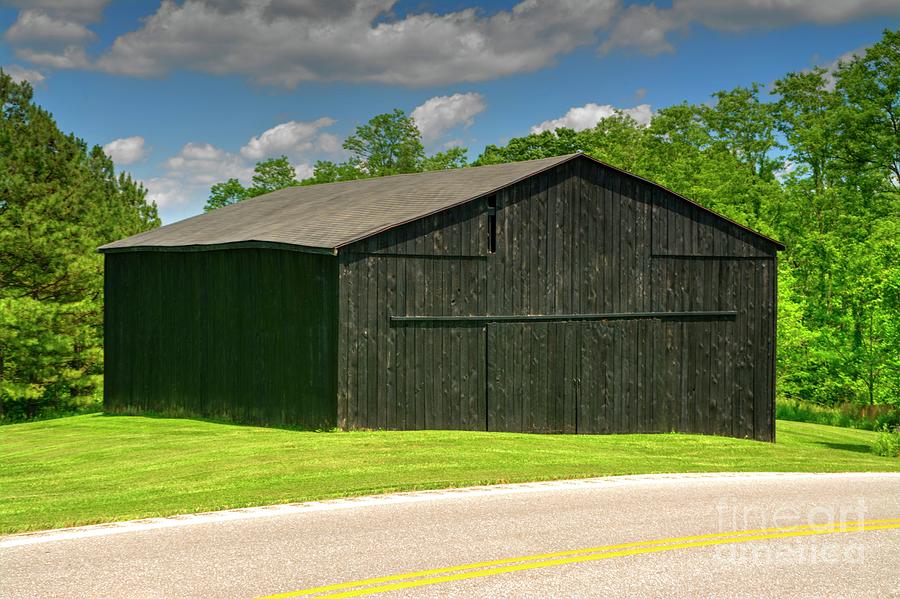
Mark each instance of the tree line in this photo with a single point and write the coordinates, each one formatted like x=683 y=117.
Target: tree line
x=813 y=161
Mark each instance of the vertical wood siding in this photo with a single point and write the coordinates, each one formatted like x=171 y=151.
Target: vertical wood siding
x=578 y=239
x=244 y=334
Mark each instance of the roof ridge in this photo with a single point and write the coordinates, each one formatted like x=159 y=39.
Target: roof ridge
x=442 y=170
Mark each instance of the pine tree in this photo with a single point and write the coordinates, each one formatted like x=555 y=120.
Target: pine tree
x=59 y=201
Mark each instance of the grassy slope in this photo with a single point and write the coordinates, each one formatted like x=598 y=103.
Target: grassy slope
x=96 y=468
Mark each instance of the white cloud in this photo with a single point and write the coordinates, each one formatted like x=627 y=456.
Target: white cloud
x=587 y=116
x=53 y=34
x=304 y=170
x=38 y=28
x=80 y=11
x=285 y=43
x=442 y=113
x=739 y=15
x=20 y=74
x=166 y=192
x=126 y=150
x=205 y=164
x=72 y=57
x=646 y=27
x=329 y=143
x=291 y=138
x=190 y=173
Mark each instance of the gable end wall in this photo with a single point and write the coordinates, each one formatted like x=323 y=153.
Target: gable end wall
x=580 y=239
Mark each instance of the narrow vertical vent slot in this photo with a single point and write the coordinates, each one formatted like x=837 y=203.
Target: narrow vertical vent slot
x=492 y=224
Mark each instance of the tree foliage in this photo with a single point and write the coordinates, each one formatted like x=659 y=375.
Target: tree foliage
x=59 y=201
x=389 y=144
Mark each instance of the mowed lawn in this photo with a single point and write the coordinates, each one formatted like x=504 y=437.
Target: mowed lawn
x=98 y=468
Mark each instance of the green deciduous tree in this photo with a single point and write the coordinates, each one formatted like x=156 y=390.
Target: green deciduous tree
x=453 y=158
x=326 y=171
x=840 y=216
x=745 y=127
x=225 y=194
x=389 y=144
x=271 y=175
x=59 y=201
x=868 y=121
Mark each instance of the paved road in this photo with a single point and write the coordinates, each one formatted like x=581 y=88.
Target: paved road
x=254 y=553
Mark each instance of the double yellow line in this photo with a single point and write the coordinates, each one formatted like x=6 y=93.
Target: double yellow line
x=397 y=582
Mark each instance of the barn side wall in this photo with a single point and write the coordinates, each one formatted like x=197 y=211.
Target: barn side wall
x=244 y=334
x=573 y=244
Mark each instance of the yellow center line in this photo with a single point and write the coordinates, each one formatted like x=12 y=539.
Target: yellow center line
x=462 y=572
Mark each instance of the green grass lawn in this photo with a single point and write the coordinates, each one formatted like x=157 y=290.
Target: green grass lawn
x=97 y=468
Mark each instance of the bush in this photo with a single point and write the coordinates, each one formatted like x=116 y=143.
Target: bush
x=847 y=415
x=54 y=403
x=887 y=444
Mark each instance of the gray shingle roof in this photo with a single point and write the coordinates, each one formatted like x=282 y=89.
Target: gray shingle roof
x=331 y=215
x=328 y=216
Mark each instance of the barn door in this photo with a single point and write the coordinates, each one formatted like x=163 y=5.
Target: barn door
x=439 y=379
x=532 y=377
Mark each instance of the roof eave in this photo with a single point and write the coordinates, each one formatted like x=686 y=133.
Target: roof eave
x=331 y=251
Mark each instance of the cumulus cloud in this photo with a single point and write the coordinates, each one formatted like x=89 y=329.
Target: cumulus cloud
x=587 y=116
x=126 y=150
x=190 y=173
x=19 y=74
x=205 y=164
x=72 y=57
x=38 y=28
x=53 y=33
x=738 y=15
x=79 y=11
x=291 y=138
x=646 y=27
x=285 y=43
x=442 y=113
x=166 y=192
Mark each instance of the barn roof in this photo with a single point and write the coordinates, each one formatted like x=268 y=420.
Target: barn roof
x=327 y=216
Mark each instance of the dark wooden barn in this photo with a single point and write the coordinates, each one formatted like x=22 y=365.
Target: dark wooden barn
x=555 y=295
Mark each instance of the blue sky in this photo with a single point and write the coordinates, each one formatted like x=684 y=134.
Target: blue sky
x=197 y=92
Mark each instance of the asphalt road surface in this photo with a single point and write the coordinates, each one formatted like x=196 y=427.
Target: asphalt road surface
x=753 y=535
